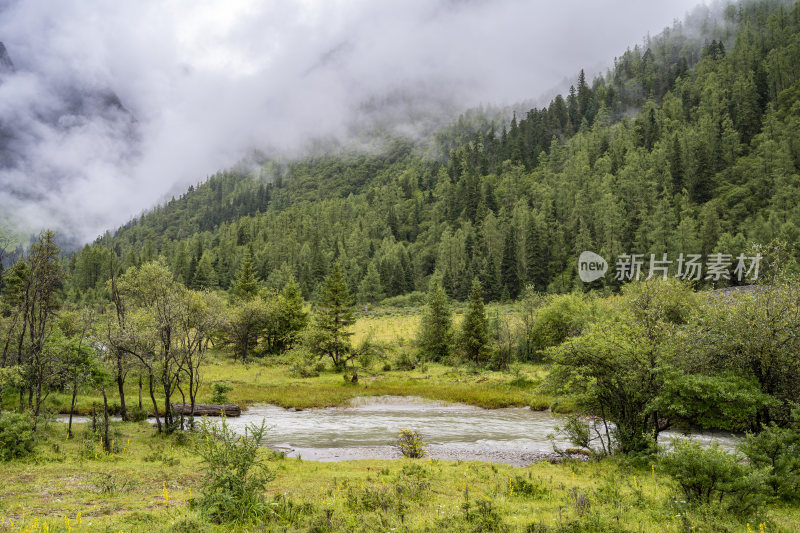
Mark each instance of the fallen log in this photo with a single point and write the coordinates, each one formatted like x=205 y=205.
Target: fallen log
x=206 y=409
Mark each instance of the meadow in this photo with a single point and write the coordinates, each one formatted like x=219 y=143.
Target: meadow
x=150 y=482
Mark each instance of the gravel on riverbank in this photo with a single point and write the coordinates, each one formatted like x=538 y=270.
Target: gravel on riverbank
x=445 y=452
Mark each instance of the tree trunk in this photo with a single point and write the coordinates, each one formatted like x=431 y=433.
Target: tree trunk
x=192 y=392
x=155 y=405
x=72 y=409
x=183 y=401
x=38 y=402
x=106 y=444
x=140 y=393
x=30 y=398
x=123 y=410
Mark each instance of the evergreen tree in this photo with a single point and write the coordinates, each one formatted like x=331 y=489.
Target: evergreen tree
x=370 y=289
x=474 y=340
x=205 y=277
x=491 y=279
x=536 y=253
x=334 y=315
x=245 y=286
x=286 y=316
x=509 y=268
x=294 y=314
x=435 y=333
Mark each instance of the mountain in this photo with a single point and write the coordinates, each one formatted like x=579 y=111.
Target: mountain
x=6 y=65
x=48 y=120
x=689 y=144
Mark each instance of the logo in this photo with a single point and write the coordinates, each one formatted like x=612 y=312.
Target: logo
x=629 y=267
x=591 y=267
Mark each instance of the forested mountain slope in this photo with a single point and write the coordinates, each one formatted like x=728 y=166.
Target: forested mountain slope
x=690 y=143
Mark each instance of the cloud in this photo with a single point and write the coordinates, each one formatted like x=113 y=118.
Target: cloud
x=200 y=84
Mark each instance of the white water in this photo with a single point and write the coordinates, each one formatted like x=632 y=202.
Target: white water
x=368 y=427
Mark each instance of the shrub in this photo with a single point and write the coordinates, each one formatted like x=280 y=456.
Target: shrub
x=519 y=486
x=777 y=450
x=137 y=414
x=234 y=479
x=482 y=516
x=106 y=483
x=406 y=361
x=16 y=436
x=221 y=389
x=411 y=444
x=561 y=317
x=707 y=475
x=412 y=299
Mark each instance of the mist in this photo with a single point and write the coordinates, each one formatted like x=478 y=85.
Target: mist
x=111 y=107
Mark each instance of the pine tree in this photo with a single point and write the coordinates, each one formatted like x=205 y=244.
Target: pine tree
x=334 y=315
x=536 y=253
x=509 y=268
x=490 y=277
x=245 y=286
x=584 y=97
x=435 y=333
x=474 y=339
x=205 y=277
x=370 y=289
x=295 y=313
x=291 y=316
x=676 y=164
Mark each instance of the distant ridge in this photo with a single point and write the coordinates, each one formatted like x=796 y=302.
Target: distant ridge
x=6 y=65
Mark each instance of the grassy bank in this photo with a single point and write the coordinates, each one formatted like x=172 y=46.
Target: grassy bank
x=274 y=380
x=265 y=382
x=149 y=484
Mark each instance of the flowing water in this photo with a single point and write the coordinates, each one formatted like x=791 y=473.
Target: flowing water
x=367 y=428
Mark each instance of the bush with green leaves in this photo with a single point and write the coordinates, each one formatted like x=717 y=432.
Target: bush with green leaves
x=482 y=516
x=777 y=450
x=16 y=436
x=528 y=488
x=406 y=361
x=221 y=389
x=137 y=414
x=411 y=444
x=709 y=475
x=302 y=363
x=234 y=475
x=615 y=368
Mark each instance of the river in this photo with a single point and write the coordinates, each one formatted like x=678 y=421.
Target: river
x=367 y=428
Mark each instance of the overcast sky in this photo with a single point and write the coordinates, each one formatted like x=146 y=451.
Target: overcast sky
x=205 y=81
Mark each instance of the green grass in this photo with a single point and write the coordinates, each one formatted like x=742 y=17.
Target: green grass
x=125 y=492
x=270 y=379
x=263 y=382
